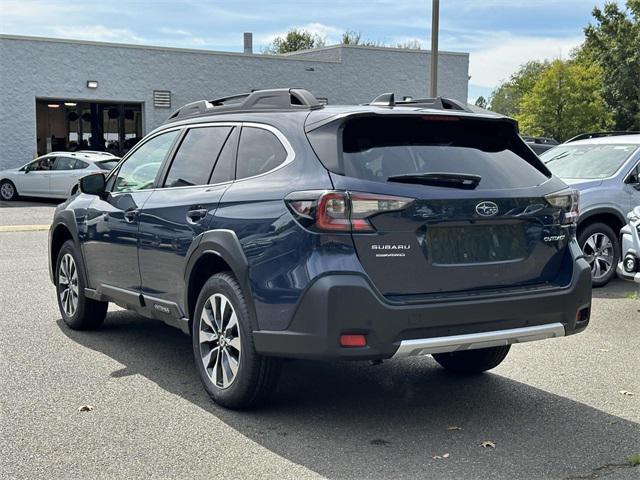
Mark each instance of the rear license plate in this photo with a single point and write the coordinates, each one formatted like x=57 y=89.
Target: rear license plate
x=476 y=243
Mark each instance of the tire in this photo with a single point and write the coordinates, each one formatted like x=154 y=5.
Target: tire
x=8 y=191
x=78 y=311
x=593 y=244
x=235 y=376
x=472 y=361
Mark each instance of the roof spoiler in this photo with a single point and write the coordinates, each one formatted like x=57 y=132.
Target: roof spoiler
x=438 y=103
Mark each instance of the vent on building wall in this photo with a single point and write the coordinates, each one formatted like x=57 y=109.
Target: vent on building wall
x=162 y=98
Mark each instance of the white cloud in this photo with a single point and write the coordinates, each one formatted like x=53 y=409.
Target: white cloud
x=504 y=52
x=99 y=33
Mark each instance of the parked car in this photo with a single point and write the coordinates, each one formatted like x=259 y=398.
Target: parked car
x=54 y=175
x=629 y=265
x=269 y=226
x=540 y=144
x=605 y=169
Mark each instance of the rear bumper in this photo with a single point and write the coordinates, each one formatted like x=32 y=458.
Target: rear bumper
x=339 y=304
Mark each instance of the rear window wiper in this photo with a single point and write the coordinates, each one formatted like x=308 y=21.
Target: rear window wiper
x=463 y=181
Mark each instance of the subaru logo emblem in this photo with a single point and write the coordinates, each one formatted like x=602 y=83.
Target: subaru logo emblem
x=486 y=209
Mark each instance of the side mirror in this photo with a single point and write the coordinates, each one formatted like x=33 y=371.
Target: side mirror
x=27 y=169
x=93 y=184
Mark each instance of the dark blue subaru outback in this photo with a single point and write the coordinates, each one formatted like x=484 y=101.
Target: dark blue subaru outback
x=269 y=226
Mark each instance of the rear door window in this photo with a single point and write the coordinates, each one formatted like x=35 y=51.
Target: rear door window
x=375 y=148
x=64 y=163
x=196 y=156
x=224 y=170
x=259 y=152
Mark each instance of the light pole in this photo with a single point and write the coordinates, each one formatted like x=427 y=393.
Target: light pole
x=435 y=20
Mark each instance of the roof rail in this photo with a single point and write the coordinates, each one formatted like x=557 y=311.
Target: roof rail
x=438 y=103
x=271 y=99
x=585 y=136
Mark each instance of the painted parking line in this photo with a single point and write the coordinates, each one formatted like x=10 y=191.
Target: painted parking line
x=23 y=228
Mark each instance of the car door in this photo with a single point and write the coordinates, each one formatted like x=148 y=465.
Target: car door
x=34 y=179
x=182 y=208
x=65 y=174
x=111 y=238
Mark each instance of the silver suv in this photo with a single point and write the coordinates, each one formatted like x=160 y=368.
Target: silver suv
x=606 y=171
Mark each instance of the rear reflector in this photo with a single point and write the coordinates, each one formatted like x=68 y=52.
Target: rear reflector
x=583 y=315
x=353 y=340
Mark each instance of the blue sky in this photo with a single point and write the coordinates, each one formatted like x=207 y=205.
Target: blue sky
x=499 y=34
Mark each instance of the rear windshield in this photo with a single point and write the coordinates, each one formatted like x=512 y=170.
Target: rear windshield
x=376 y=148
x=587 y=161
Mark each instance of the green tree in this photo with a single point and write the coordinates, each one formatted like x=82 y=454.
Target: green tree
x=355 y=38
x=565 y=100
x=507 y=97
x=614 y=42
x=410 y=45
x=294 y=40
x=481 y=102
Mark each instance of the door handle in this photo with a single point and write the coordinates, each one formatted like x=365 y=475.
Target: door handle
x=196 y=214
x=131 y=215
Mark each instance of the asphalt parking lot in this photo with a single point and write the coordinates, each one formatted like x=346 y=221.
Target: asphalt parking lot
x=553 y=409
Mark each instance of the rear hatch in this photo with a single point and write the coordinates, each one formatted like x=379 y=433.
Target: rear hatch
x=475 y=213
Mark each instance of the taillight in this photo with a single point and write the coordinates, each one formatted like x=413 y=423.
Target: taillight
x=569 y=202
x=341 y=211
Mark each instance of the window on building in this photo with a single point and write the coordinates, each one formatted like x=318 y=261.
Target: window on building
x=196 y=156
x=259 y=151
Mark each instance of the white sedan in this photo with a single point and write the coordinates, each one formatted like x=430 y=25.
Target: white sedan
x=54 y=175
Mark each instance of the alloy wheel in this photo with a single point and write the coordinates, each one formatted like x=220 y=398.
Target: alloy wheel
x=68 y=284
x=219 y=339
x=598 y=250
x=7 y=191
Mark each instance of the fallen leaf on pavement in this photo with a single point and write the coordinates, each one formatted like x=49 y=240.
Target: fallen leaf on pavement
x=628 y=394
x=86 y=408
x=453 y=428
x=440 y=457
x=488 y=444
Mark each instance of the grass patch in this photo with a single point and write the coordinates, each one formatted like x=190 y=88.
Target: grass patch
x=633 y=295
x=634 y=460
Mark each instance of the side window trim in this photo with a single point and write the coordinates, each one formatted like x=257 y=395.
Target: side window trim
x=116 y=169
x=281 y=138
